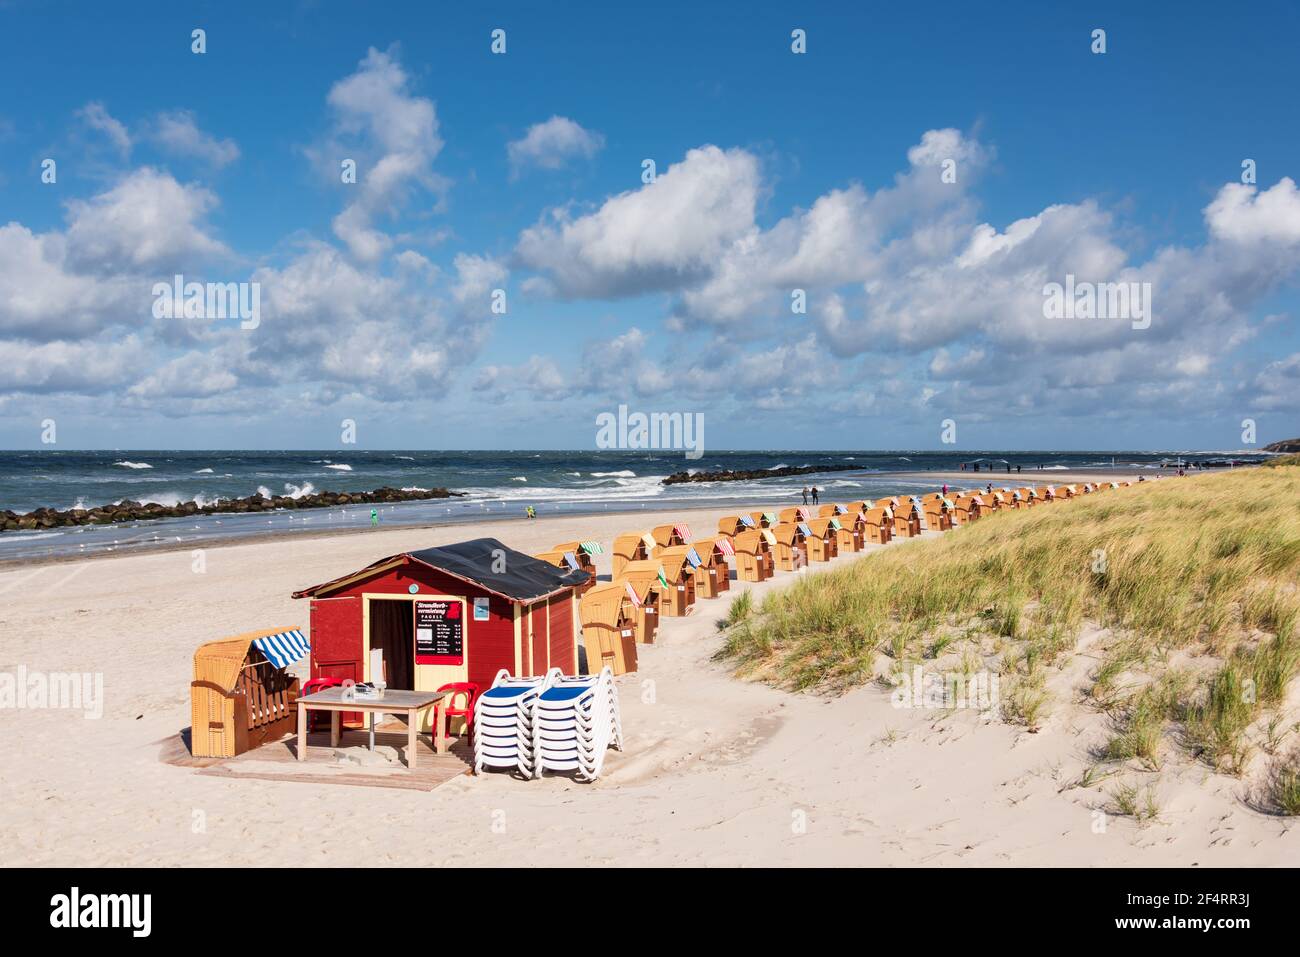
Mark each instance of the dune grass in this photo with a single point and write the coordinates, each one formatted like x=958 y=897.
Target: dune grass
x=1195 y=580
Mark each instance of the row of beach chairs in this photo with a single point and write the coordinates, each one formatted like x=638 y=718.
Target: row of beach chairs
x=662 y=572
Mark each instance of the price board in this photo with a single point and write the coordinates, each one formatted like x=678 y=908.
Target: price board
x=439 y=632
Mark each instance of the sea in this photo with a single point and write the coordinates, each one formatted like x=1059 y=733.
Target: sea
x=497 y=484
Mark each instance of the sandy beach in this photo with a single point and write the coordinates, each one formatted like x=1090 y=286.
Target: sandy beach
x=716 y=771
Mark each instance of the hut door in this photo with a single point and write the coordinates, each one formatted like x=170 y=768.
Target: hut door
x=336 y=643
x=539 y=636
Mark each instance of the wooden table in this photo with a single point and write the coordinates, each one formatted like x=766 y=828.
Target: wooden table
x=409 y=703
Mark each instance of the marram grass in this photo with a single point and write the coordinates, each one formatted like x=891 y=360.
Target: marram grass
x=1200 y=570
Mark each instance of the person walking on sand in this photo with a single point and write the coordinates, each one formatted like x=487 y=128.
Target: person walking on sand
x=814 y=494
x=805 y=494
x=374 y=518
x=530 y=512
x=945 y=489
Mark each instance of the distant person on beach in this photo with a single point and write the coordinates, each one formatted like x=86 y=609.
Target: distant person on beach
x=989 y=488
x=1017 y=469
x=814 y=494
x=530 y=512
x=805 y=494
x=1008 y=468
x=374 y=518
x=945 y=489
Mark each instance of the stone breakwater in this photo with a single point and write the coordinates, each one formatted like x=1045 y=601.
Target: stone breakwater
x=677 y=478
x=129 y=511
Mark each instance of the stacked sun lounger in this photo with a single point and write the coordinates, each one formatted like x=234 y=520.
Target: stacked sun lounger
x=503 y=722
x=575 y=722
x=554 y=723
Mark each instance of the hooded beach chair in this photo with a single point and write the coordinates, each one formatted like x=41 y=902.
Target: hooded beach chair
x=679 y=563
x=608 y=629
x=790 y=551
x=503 y=722
x=713 y=574
x=584 y=552
x=1045 y=493
x=668 y=536
x=569 y=560
x=968 y=508
x=643 y=585
x=938 y=512
x=574 y=723
x=733 y=525
x=907 y=517
x=852 y=532
x=764 y=519
x=795 y=513
x=879 y=524
x=630 y=547
x=754 y=560
x=819 y=535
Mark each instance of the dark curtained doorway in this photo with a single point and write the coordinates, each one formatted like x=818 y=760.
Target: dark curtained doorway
x=392 y=630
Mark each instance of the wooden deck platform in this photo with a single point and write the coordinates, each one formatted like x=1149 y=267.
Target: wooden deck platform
x=278 y=760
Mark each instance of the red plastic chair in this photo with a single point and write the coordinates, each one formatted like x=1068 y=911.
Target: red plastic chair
x=311 y=686
x=456 y=689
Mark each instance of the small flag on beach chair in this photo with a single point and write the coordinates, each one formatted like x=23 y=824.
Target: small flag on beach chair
x=283 y=649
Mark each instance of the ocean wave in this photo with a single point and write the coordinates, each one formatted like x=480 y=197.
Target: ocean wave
x=340 y=468
x=134 y=465
x=625 y=473
x=203 y=472
x=519 y=478
x=405 y=458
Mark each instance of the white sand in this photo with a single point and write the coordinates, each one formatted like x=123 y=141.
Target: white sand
x=716 y=771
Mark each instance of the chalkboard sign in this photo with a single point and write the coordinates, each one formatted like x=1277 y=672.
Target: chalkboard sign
x=439 y=633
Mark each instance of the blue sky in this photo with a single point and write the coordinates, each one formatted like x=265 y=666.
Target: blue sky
x=523 y=172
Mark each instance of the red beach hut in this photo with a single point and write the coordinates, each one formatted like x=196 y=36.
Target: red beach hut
x=439 y=615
